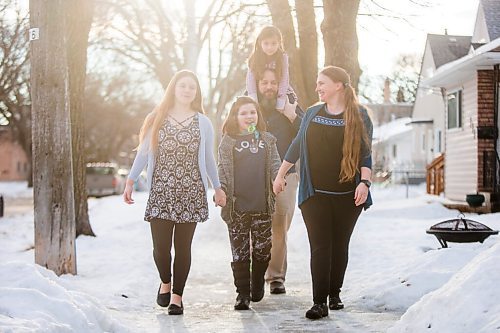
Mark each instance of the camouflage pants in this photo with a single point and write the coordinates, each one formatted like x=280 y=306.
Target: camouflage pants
x=250 y=237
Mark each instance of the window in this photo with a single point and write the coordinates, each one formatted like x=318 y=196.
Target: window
x=394 y=151
x=437 y=141
x=455 y=109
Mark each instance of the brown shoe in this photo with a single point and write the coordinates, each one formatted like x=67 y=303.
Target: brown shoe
x=277 y=287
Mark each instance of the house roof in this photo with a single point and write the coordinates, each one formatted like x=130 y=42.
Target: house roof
x=465 y=67
x=446 y=48
x=392 y=129
x=491 y=9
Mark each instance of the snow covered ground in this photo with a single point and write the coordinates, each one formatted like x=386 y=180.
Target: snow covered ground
x=398 y=280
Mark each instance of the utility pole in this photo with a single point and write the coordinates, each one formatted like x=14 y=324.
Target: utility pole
x=52 y=162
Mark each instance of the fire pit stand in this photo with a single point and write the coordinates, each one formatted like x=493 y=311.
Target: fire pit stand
x=460 y=230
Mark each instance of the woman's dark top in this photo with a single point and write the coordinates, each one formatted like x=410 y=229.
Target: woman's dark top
x=325 y=139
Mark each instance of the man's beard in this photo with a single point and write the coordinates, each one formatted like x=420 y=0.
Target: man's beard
x=267 y=104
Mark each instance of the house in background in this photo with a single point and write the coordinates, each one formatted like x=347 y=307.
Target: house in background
x=428 y=110
x=14 y=164
x=391 y=149
x=392 y=140
x=470 y=87
x=382 y=113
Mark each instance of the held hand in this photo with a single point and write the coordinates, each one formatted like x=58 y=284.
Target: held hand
x=220 y=197
x=361 y=194
x=279 y=185
x=127 y=194
x=289 y=110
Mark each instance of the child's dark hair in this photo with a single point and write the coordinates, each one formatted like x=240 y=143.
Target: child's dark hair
x=258 y=59
x=231 y=123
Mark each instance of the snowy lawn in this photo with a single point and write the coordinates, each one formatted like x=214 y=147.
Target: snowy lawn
x=398 y=280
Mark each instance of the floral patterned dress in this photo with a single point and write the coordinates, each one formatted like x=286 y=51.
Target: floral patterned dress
x=177 y=192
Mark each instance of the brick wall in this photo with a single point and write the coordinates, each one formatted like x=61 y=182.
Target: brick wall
x=485 y=118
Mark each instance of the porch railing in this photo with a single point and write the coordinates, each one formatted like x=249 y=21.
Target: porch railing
x=435 y=176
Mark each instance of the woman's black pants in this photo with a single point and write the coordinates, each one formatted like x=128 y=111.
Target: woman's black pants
x=330 y=220
x=162 y=232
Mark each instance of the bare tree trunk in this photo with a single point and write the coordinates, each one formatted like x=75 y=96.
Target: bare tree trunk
x=26 y=142
x=53 y=180
x=308 y=39
x=340 y=36
x=282 y=18
x=80 y=14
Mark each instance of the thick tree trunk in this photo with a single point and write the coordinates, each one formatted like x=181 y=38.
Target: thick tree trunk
x=26 y=143
x=340 y=36
x=282 y=18
x=308 y=39
x=53 y=180
x=80 y=14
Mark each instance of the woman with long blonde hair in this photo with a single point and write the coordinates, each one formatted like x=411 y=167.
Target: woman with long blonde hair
x=334 y=147
x=176 y=144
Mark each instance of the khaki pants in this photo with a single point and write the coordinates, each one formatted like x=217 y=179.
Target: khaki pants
x=282 y=218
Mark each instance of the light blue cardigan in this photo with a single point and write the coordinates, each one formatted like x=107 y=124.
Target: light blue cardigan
x=206 y=161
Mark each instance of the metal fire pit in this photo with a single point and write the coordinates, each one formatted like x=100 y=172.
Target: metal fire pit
x=460 y=230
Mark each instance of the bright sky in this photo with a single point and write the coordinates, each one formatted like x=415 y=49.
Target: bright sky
x=383 y=39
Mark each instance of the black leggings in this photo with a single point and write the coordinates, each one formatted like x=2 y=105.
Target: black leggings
x=162 y=232
x=256 y=229
x=330 y=220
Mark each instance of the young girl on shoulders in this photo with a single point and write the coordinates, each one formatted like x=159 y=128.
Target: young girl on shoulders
x=269 y=53
x=248 y=162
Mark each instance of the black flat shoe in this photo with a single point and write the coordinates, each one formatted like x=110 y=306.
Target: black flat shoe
x=242 y=302
x=317 y=311
x=163 y=300
x=335 y=303
x=174 y=309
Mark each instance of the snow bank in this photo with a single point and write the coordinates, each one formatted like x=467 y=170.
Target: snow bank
x=33 y=298
x=468 y=302
x=15 y=190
